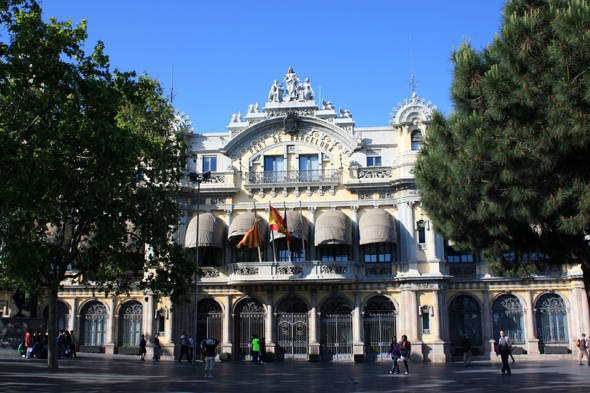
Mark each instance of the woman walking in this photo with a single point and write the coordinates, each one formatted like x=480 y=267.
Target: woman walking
x=405 y=348
x=395 y=353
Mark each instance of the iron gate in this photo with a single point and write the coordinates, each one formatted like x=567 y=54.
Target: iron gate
x=292 y=334
x=551 y=320
x=379 y=324
x=250 y=323
x=209 y=322
x=336 y=330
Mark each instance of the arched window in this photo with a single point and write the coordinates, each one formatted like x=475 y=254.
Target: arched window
x=465 y=318
x=336 y=329
x=379 y=324
x=94 y=324
x=508 y=316
x=551 y=319
x=416 y=139
x=131 y=318
x=63 y=315
x=209 y=321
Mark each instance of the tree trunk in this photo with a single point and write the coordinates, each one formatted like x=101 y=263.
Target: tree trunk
x=52 y=331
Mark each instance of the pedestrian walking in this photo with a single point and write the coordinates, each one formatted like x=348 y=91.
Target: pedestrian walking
x=156 y=348
x=202 y=345
x=29 y=343
x=405 y=349
x=210 y=354
x=395 y=354
x=142 y=346
x=504 y=345
x=190 y=348
x=262 y=356
x=583 y=346
x=255 y=349
x=73 y=344
x=67 y=343
x=184 y=347
x=466 y=351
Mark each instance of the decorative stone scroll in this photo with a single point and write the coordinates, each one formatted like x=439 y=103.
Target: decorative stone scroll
x=462 y=270
x=246 y=271
x=334 y=269
x=290 y=270
x=210 y=273
x=374 y=173
x=378 y=271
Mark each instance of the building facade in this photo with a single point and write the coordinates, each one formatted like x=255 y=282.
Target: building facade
x=364 y=263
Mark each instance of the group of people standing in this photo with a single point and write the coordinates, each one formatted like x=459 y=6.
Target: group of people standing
x=258 y=350
x=35 y=345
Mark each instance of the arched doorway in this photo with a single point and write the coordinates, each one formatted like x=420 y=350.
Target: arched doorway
x=209 y=321
x=379 y=324
x=336 y=329
x=63 y=316
x=292 y=333
x=130 y=327
x=551 y=318
x=465 y=318
x=94 y=324
x=508 y=316
x=250 y=317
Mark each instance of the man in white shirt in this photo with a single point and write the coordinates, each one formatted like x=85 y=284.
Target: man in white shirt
x=504 y=345
x=583 y=349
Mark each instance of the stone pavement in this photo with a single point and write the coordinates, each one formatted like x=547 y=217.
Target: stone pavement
x=118 y=373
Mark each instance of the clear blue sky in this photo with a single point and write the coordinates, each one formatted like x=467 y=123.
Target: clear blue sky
x=227 y=53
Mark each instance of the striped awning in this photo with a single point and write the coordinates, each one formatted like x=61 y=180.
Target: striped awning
x=377 y=226
x=211 y=231
x=333 y=227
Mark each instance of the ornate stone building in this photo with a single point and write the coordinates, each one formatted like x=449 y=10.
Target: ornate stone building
x=364 y=263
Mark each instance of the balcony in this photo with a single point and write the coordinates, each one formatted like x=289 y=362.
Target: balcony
x=298 y=271
x=220 y=183
x=308 y=181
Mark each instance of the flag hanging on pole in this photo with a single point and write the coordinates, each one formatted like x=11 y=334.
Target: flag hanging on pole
x=252 y=238
x=278 y=224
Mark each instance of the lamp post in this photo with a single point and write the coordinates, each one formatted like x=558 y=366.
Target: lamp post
x=196 y=178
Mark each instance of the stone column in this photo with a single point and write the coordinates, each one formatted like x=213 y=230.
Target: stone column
x=228 y=252
x=438 y=353
x=573 y=318
x=149 y=320
x=270 y=322
x=585 y=311
x=414 y=336
x=111 y=323
x=532 y=343
x=408 y=237
x=435 y=262
x=357 y=343
x=487 y=331
x=226 y=344
x=314 y=345
x=74 y=315
x=355 y=234
x=312 y=232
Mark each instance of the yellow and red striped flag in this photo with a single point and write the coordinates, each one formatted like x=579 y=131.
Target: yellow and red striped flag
x=278 y=224
x=252 y=238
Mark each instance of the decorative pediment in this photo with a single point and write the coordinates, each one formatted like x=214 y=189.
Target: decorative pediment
x=414 y=111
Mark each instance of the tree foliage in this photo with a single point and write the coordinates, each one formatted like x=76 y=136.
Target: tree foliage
x=89 y=169
x=508 y=170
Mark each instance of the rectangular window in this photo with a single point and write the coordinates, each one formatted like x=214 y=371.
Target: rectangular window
x=274 y=168
x=377 y=252
x=308 y=168
x=209 y=164
x=373 y=161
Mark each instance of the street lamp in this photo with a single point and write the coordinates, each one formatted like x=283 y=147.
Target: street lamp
x=196 y=178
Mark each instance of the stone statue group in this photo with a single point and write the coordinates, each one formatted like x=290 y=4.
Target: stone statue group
x=295 y=91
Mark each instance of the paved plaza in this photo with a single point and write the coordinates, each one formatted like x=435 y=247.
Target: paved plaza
x=103 y=373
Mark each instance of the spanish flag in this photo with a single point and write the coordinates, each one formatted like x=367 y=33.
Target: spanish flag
x=252 y=238
x=278 y=224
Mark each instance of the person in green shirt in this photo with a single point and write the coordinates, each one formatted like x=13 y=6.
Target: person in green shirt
x=73 y=344
x=255 y=349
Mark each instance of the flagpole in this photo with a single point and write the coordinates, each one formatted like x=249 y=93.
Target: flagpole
x=288 y=244
x=256 y=223
x=272 y=235
x=302 y=229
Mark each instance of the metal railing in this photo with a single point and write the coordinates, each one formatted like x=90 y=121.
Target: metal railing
x=293 y=176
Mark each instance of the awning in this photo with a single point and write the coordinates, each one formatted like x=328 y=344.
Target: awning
x=333 y=227
x=243 y=223
x=211 y=231
x=377 y=226
x=296 y=226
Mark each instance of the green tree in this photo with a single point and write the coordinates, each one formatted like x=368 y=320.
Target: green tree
x=89 y=169
x=508 y=170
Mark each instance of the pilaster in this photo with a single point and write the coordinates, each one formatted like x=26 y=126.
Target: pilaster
x=109 y=347
x=532 y=341
x=357 y=343
x=438 y=351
